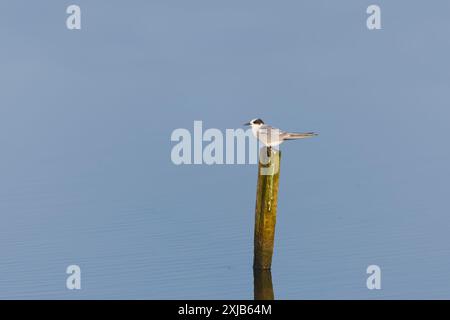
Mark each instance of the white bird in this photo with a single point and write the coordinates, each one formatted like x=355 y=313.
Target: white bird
x=271 y=136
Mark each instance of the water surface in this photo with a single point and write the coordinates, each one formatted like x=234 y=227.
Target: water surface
x=85 y=170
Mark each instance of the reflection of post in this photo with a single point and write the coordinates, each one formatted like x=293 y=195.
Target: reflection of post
x=262 y=285
x=266 y=207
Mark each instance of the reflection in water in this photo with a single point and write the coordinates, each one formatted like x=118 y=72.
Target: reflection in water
x=262 y=284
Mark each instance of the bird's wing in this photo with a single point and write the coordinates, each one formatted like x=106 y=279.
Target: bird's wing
x=296 y=135
x=270 y=130
x=270 y=135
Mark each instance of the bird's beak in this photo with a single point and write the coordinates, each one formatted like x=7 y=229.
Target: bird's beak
x=247 y=124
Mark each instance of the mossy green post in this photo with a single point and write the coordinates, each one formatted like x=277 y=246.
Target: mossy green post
x=266 y=207
x=262 y=285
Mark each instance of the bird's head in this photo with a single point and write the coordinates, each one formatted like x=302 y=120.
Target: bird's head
x=254 y=122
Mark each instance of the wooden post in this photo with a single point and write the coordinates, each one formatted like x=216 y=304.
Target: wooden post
x=266 y=207
x=262 y=285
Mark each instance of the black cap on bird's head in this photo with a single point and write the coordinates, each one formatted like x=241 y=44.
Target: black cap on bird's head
x=254 y=121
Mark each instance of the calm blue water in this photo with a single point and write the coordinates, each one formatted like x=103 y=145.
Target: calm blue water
x=85 y=170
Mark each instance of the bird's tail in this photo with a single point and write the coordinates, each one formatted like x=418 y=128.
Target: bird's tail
x=294 y=135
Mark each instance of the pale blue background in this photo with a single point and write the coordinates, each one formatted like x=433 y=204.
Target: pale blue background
x=85 y=170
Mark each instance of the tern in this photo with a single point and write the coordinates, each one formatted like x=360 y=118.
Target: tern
x=271 y=136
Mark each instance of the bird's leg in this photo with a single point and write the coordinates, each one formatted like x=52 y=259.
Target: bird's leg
x=269 y=151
